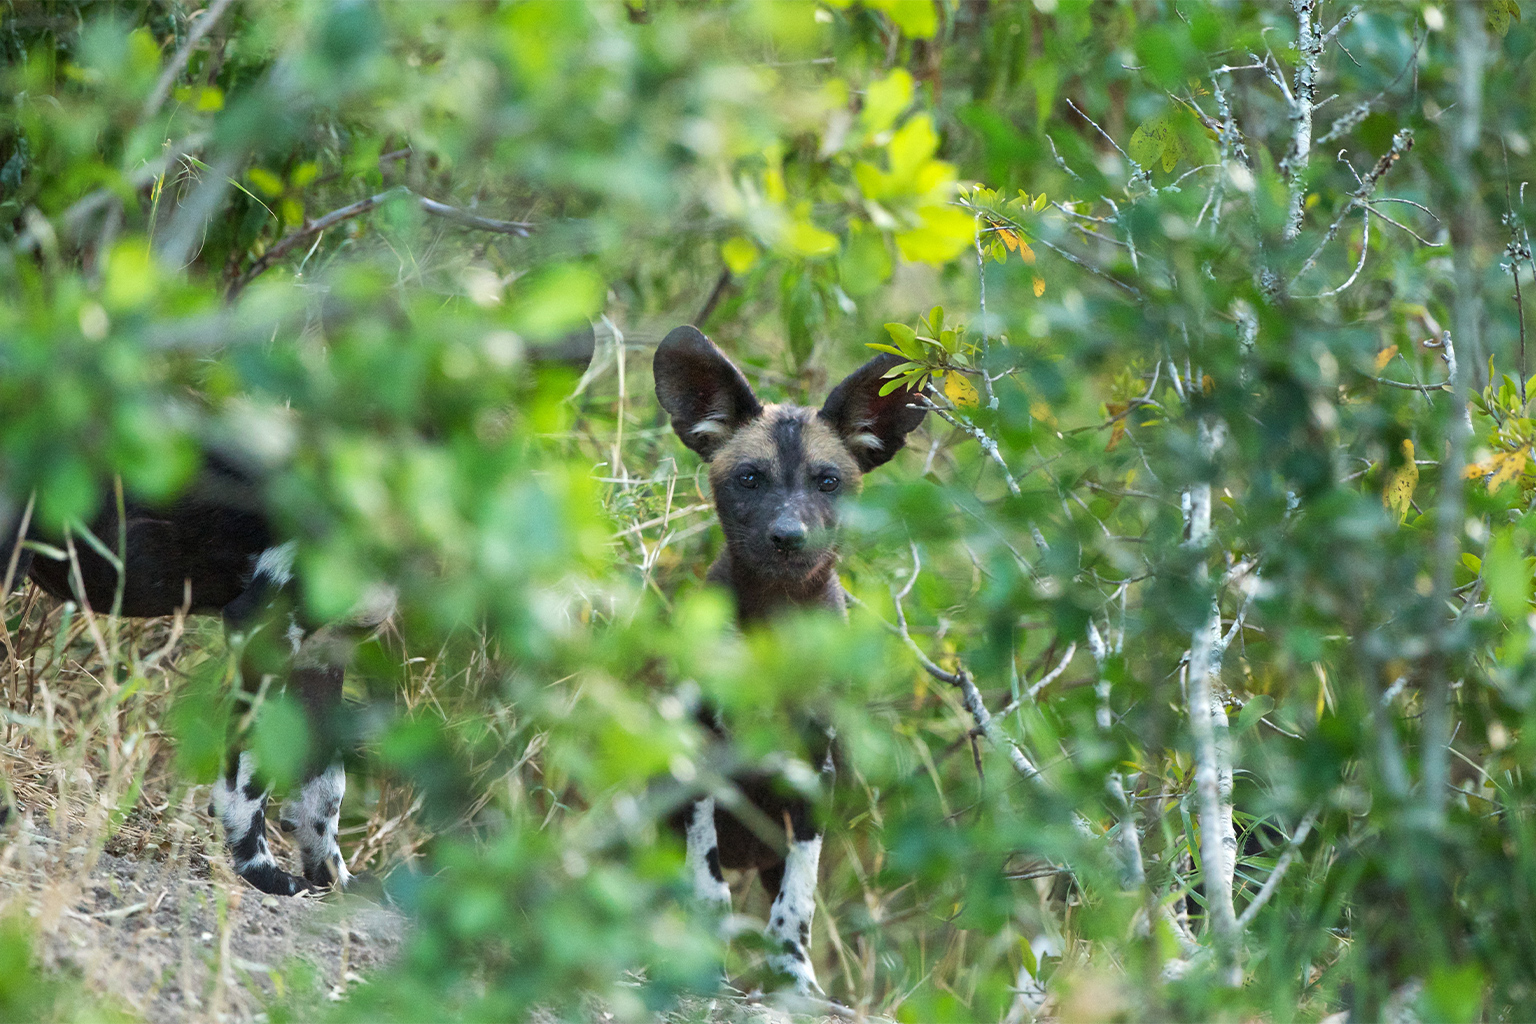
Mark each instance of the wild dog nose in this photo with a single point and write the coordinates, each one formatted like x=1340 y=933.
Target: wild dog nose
x=787 y=534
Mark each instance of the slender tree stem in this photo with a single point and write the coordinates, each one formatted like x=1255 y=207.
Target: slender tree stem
x=1471 y=46
x=1213 y=754
x=1309 y=49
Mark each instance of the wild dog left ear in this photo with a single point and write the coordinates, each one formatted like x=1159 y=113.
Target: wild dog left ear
x=872 y=425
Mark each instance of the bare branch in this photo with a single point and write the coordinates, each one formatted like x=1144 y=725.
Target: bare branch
x=294 y=238
x=1059 y=161
x=200 y=28
x=1349 y=16
x=1402 y=142
x=1309 y=50
x=1371 y=206
x=1365 y=247
x=987 y=444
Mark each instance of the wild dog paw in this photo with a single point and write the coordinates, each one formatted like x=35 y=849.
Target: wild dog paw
x=796 y=965
x=328 y=872
x=273 y=880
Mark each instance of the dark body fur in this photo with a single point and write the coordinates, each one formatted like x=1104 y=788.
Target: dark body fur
x=202 y=546
x=211 y=550
x=776 y=473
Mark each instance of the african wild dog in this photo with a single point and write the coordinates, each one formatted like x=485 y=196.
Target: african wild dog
x=212 y=550
x=776 y=473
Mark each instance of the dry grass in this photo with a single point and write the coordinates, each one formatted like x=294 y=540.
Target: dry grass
x=111 y=856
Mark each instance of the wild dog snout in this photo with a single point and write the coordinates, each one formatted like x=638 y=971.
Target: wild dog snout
x=788 y=533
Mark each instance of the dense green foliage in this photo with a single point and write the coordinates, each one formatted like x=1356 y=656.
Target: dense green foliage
x=1158 y=337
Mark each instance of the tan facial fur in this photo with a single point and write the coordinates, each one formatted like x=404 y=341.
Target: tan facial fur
x=755 y=443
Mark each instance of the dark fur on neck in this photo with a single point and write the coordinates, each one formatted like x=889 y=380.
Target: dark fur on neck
x=759 y=597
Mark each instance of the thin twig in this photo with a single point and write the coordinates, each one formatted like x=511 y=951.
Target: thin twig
x=715 y=295
x=296 y=237
x=1365 y=248
x=1272 y=883
x=1371 y=206
x=1402 y=142
x=988 y=445
x=168 y=77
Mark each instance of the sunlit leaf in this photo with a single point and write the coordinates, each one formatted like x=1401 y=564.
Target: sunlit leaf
x=265 y=181
x=1397 y=494
x=960 y=391
x=740 y=254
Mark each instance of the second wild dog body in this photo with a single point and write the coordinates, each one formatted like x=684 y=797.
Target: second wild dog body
x=212 y=550
x=776 y=474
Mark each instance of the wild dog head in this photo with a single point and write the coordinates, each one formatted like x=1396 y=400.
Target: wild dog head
x=777 y=471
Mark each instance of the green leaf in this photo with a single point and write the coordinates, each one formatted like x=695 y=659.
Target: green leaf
x=1507 y=576
x=1256 y=708
x=265 y=181
x=885 y=100
x=740 y=254
x=905 y=339
x=1497 y=14
x=917 y=19
x=1455 y=993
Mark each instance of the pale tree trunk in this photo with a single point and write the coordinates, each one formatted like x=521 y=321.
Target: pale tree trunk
x=1213 y=748
x=1471 y=50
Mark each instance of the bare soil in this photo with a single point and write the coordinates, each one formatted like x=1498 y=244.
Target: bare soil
x=170 y=935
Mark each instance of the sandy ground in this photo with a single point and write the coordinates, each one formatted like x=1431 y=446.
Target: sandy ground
x=166 y=934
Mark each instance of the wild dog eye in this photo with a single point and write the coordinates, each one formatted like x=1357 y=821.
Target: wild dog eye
x=749 y=479
x=828 y=482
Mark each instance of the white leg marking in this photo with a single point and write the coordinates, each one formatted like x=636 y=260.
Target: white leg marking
x=789 y=921
x=702 y=861
x=242 y=810
x=276 y=564
x=313 y=816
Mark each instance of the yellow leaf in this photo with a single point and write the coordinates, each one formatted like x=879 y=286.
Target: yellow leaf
x=1042 y=412
x=1506 y=466
x=1039 y=287
x=740 y=254
x=1207 y=384
x=1117 y=410
x=1384 y=357
x=1397 y=495
x=1026 y=252
x=959 y=390
x=1010 y=239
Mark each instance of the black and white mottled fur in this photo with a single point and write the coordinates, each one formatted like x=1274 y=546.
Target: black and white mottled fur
x=776 y=473
x=212 y=550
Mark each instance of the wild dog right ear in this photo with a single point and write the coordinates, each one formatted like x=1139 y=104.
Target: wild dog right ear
x=706 y=396
x=874 y=426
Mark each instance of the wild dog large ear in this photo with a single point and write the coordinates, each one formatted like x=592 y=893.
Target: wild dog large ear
x=706 y=396
x=872 y=425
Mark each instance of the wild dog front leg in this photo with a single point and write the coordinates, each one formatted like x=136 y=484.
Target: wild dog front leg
x=312 y=816
x=240 y=803
x=702 y=859
x=789 y=919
